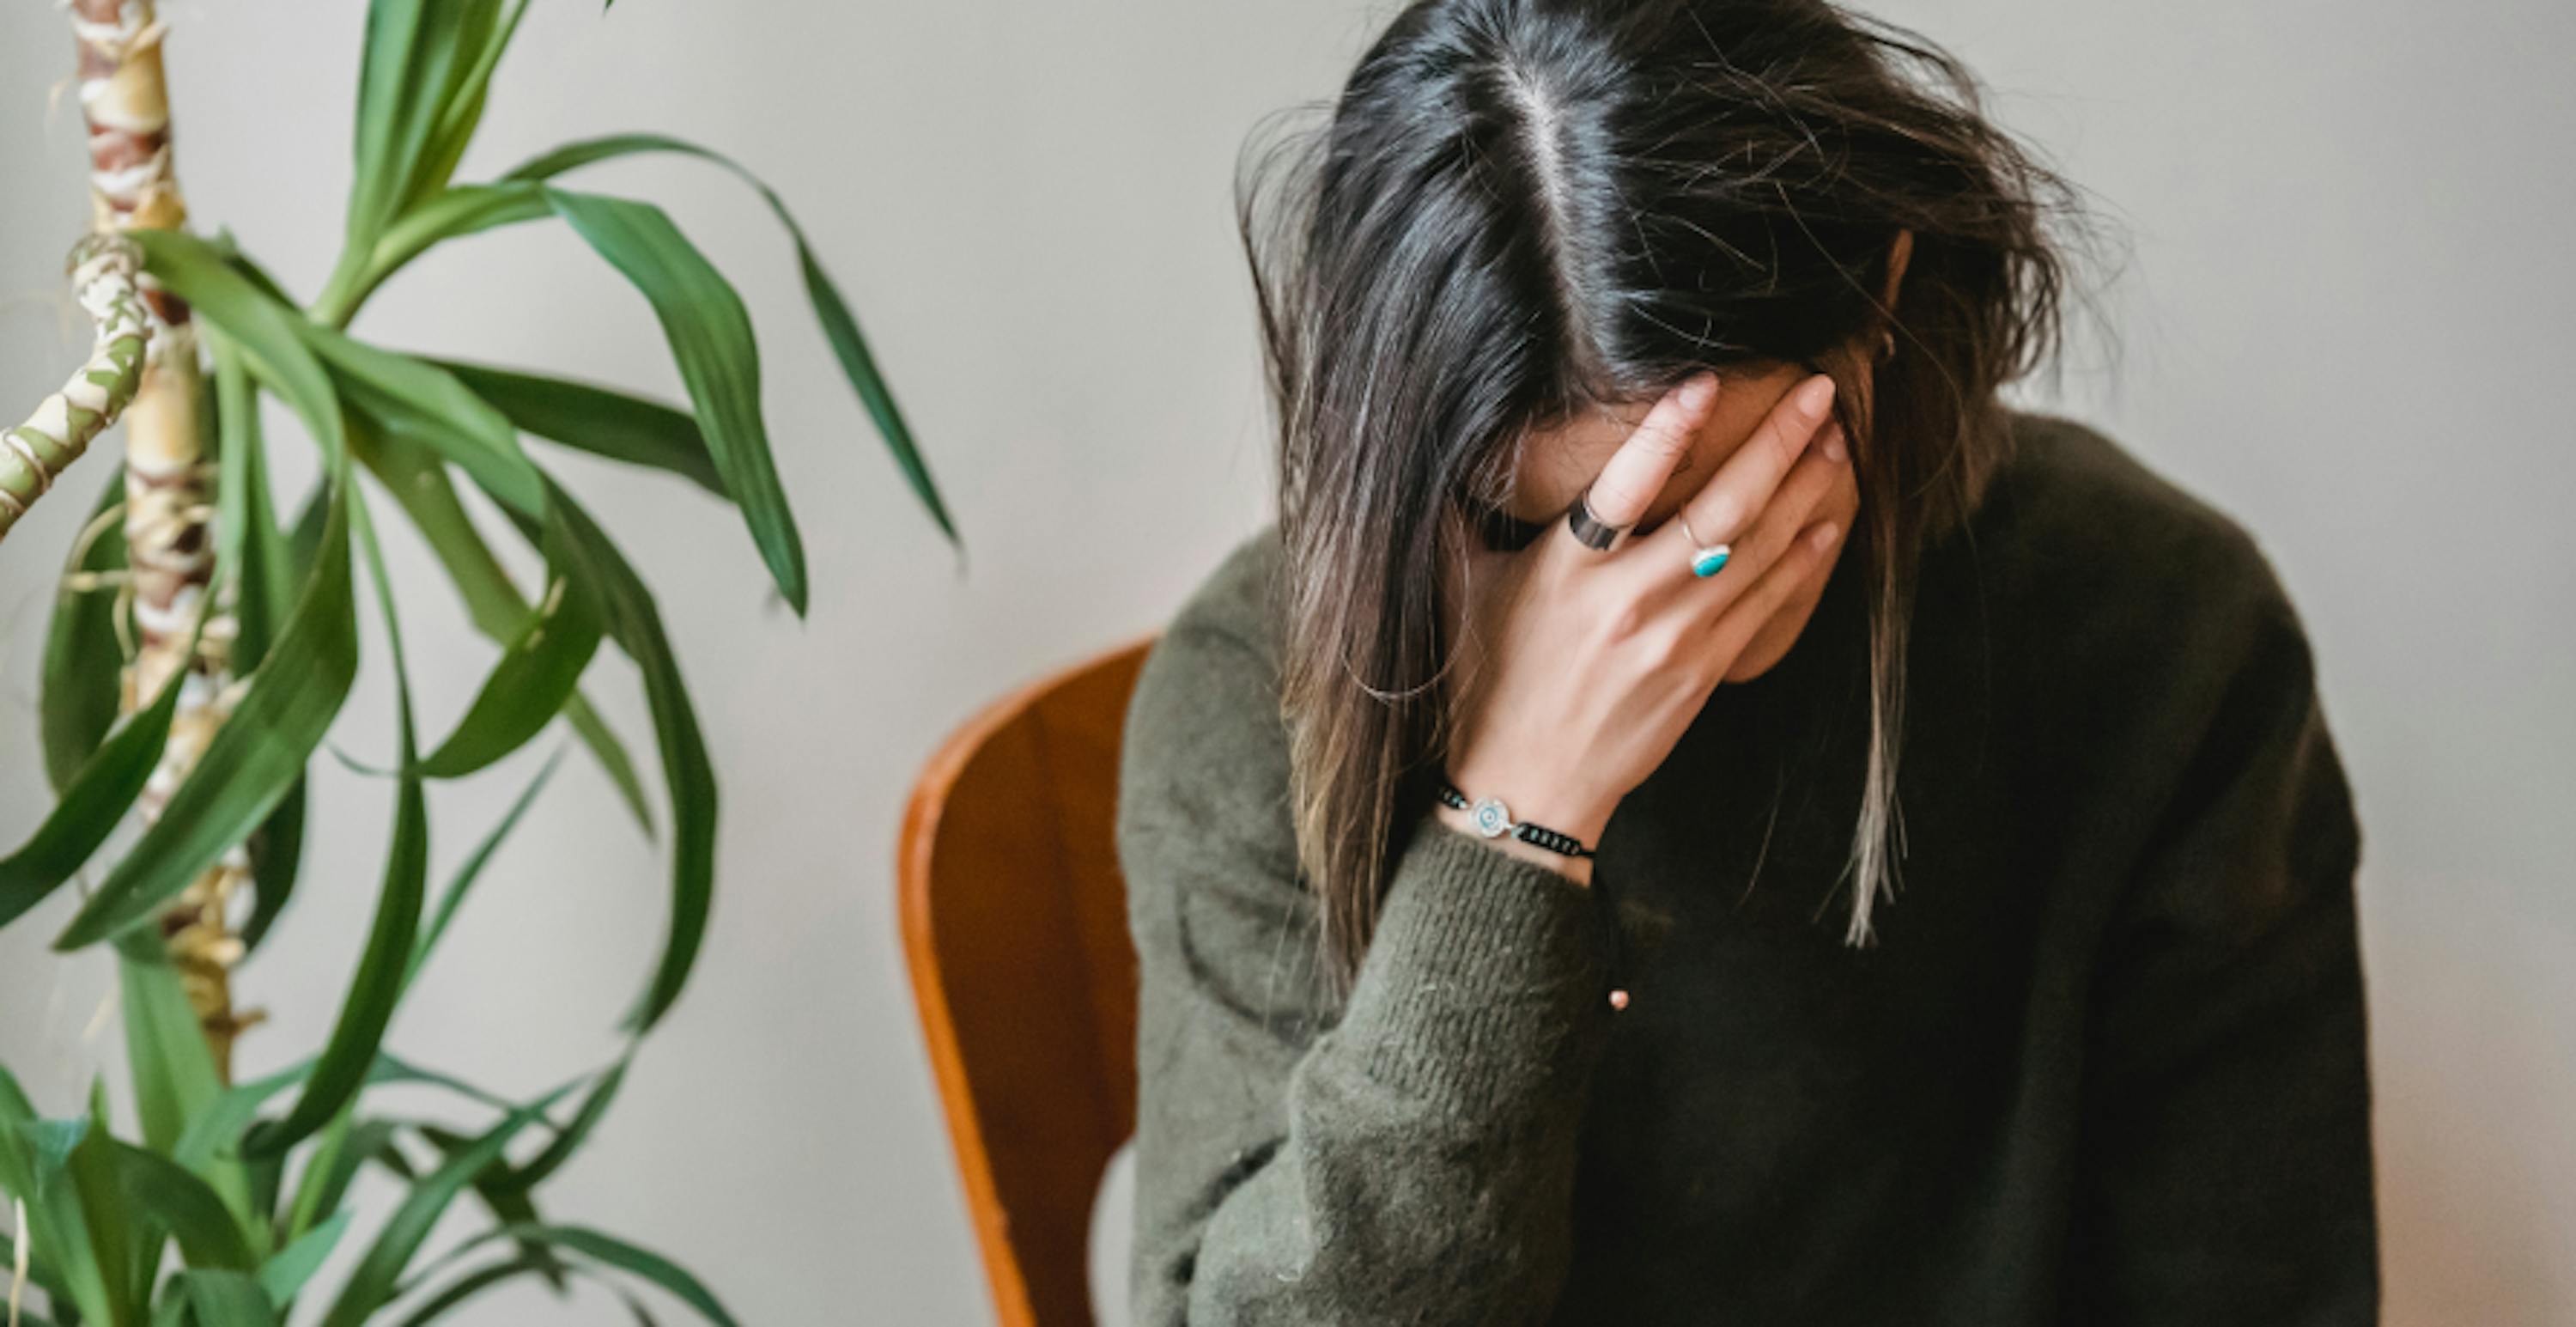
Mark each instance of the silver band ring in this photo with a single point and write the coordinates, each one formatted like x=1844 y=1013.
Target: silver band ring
x=1588 y=528
x=1706 y=559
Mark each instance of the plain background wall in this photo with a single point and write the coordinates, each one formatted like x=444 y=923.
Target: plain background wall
x=2345 y=322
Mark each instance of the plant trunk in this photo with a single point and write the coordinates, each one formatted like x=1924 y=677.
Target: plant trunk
x=168 y=494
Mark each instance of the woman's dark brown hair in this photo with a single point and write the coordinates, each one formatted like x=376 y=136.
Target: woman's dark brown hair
x=1519 y=210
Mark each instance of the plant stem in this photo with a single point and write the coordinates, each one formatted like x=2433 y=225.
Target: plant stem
x=105 y=272
x=134 y=185
x=341 y=295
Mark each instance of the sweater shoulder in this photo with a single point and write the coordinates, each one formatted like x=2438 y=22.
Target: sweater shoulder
x=2165 y=663
x=1204 y=749
x=1237 y=599
x=2080 y=533
x=1205 y=828
x=2144 y=626
x=2093 y=499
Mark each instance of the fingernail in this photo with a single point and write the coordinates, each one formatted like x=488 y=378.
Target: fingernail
x=1699 y=389
x=1823 y=535
x=1834 y=449
x=1813 y=395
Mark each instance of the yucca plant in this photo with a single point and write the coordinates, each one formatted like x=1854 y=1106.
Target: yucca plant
x=201 y=647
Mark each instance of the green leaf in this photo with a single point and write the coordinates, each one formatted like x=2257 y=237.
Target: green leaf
x=425 y=403
x=33 y=1156
x=635 y=1260
x=267 y=1180
x=51 y=1143
x=174 y=1072
x=223 y=245
x=597 y=420
x=213 y=1135
x=305 y=540
x=392 y=1068
x=522 y=196
x=92 y=805
x=347 y=1143
x=253 y=758
x=508 y=1202
x=537 y=673
x=227 y=1299
x=260 y=561
x=421 y=61
x=266 y=331
x=711 y=338
x=463 y=110
x=377 y=987
x=251 y=551
x=276 y=855
x=568 y=1140
x=81 y=691
x=472 y=869
x=451 y=214
x=181 y=1203
x=492 y=600
x=40 y=1271
x=175 y=1080
x=125 y=1260
x=858 y=364
x=315 y=1197
x=473 y=1283
x=637 y=625
x=371 y=1285
x=284 y=1275
x=213 y=1132
x=840 y=326
x=610 y=751
x=635 y=1308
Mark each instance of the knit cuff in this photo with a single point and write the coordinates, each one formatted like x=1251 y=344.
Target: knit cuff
x=1487 y=978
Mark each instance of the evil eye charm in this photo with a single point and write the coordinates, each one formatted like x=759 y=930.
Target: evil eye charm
x=1707 y=561
x=1491 y=819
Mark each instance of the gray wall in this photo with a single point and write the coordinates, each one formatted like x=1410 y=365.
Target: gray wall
x=2343 y=321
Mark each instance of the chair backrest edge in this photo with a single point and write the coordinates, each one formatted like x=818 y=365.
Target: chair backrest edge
x=915 y=844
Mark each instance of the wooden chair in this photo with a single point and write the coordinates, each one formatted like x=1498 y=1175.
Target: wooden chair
x=1015 y=930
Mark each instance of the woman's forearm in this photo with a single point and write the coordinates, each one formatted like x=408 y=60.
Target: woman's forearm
x=1420 y=1161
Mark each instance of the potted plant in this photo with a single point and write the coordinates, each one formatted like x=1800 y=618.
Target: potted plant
x=204 y=641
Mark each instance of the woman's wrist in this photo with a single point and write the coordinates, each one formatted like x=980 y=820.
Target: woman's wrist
x=1577 y=869
x=1537 y=799
x=1525 y=801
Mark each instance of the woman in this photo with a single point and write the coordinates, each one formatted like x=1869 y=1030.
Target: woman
x=1935 y=902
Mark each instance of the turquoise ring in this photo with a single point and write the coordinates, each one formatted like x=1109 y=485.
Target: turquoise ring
x=1706 y=559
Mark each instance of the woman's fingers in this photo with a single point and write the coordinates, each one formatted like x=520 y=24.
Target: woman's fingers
x=1726 y=506
x=1636 y=472
x=1793 y=504
x=1771 y=591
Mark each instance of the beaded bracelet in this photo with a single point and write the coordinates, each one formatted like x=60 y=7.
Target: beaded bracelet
x=1493 y=820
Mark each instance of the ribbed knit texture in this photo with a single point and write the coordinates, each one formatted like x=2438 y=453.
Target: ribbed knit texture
x=1484 y=965
x=2105 y=1064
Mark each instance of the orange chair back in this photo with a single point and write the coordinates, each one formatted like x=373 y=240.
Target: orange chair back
x=1015 y=930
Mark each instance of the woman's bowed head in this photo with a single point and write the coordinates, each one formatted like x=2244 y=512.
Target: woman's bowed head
x=1506 y=271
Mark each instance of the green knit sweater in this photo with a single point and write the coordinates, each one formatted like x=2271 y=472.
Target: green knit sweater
x=2104 y=1065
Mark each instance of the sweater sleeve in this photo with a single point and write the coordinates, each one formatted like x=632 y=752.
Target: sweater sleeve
x=1407 y=1156
x=2227 y=1149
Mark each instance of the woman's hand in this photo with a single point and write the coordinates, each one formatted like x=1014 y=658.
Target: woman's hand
x=1582 y=667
